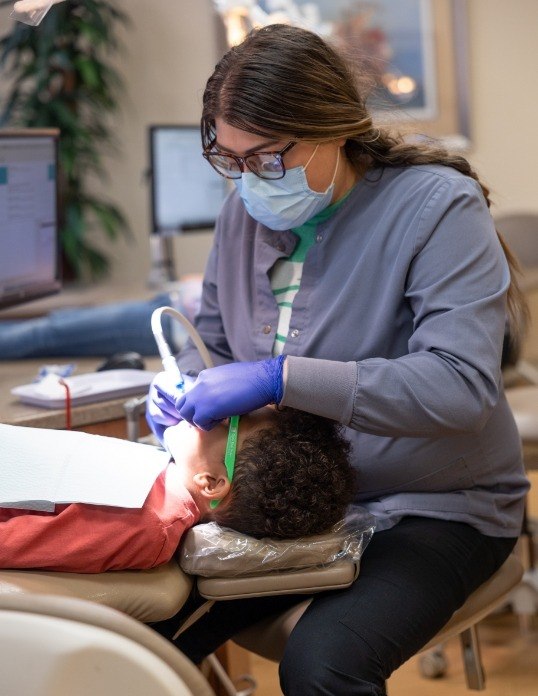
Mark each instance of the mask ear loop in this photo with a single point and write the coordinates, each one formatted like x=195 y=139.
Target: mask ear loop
x=311 y=157
x=335 y=169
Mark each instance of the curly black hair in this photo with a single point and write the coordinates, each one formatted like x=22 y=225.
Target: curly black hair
x=292 y=478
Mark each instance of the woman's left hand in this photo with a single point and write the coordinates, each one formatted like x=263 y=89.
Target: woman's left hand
x=233 y=389
x=164 y=392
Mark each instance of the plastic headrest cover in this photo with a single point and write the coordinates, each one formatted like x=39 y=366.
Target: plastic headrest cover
x=213 y=551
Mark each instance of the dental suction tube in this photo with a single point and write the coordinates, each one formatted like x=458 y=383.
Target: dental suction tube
x=168 y=360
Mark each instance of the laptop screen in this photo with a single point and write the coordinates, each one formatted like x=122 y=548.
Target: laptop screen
x=29 y=264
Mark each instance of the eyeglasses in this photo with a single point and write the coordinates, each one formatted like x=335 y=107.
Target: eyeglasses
x=266 y=165
x=230 y=452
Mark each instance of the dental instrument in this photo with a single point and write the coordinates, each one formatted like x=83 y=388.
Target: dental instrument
x=167 y=357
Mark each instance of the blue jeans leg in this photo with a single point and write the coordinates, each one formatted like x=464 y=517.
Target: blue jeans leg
x=87 y=331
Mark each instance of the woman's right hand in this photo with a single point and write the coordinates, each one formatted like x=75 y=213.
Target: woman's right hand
x=163 y=395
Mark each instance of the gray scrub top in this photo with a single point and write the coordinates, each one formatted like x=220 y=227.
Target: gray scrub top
x=396 y=332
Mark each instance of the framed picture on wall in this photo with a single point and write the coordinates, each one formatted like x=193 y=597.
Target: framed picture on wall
x=413 y=53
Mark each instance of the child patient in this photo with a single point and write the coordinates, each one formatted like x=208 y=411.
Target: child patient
x=288 y=476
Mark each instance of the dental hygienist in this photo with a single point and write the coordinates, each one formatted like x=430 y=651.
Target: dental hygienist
x=357 y=276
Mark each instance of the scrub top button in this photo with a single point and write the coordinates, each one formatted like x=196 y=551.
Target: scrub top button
x=267 y=329
x=319 y=238
x=294 y=333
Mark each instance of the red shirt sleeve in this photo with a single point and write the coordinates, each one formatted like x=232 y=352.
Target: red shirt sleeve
x=94 y=538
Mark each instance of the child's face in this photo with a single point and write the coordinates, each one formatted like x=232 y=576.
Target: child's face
x=197 y=450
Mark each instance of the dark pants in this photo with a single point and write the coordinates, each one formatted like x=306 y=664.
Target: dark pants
x=412 y=578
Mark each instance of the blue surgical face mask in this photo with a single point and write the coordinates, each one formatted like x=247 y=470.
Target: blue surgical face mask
x=281 y=204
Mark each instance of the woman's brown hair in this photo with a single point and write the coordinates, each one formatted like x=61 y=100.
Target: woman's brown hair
x=286 y=81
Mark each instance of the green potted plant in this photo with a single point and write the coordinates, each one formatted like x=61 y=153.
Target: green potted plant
x=58 y=76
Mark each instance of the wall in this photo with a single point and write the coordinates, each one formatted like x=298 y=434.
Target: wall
x=504 y=102
x=171 y=50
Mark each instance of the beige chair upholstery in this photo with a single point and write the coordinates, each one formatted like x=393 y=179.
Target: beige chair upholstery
x=52 y=645
x=146 y=595
x=520 y=231
x=524 y=404
x=335 y=576
x=268 y=638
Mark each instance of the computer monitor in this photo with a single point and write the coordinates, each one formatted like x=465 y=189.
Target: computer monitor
x=186 y=192
x=29 y=259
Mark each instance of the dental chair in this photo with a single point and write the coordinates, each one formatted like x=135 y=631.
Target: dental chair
x=52 y=645
x=112 y=601
x=158 y=594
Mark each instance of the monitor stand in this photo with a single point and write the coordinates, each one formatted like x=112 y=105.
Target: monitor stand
x=162 y=269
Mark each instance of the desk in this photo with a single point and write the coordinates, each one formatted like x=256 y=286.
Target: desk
x=102 y=418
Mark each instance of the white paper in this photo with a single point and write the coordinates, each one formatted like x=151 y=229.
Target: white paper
x=87 y=388
x=40 y=467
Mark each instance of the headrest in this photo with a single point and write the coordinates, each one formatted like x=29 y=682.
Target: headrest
x=213 y=551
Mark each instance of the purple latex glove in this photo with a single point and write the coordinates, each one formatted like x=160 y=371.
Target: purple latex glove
x=163 y=395
x=233 y=389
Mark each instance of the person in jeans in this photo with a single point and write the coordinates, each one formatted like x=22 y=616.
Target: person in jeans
x=101 y=330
